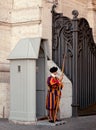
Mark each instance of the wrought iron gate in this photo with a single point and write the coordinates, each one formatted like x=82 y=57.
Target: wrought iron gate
x=73 y=37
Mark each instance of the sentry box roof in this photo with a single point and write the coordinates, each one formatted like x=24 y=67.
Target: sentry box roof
x=27 y=48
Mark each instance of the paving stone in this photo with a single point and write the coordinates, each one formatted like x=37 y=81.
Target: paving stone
x=46 y=123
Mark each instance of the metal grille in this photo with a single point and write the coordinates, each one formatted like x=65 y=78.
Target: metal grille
x=73 y=37
x=62 y=41
x=86 y=65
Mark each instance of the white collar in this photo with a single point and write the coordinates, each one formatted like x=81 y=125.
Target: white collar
x=53 y=75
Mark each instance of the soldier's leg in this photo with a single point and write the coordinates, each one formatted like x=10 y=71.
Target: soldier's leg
x=51 y=115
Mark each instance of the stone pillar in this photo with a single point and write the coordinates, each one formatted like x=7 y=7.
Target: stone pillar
x=91 y=15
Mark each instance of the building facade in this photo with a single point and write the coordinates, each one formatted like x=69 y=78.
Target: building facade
x=33 y=18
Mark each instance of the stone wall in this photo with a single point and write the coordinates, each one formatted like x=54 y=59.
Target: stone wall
x=25 y=20
x=91 y=15
x=18 y=19
x=5 y=29
x=47 y=23
x=4 y=90
x=86 y=9
x=68 y=6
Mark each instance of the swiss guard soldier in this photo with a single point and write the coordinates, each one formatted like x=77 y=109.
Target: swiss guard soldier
x=55 y=86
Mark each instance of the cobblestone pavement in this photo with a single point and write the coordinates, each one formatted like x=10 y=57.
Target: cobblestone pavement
x=79 y=123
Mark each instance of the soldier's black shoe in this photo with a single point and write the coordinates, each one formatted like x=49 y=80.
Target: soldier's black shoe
x=58 y=119
x=51 y=121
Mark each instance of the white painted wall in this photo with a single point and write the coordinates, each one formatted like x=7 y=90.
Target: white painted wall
x=23 y=90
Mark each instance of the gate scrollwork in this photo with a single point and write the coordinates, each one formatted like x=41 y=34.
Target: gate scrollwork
x=81 y=52
x=61 y=38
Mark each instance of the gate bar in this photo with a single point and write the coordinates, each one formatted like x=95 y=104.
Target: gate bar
x=75 y=43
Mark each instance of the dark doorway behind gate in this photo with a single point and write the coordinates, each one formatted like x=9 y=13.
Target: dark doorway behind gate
x=73 y=37
x=40 y=85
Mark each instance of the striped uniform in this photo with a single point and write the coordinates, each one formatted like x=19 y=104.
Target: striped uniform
x=54 y=90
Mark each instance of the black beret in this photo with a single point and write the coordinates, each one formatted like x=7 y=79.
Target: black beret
x=53 y=69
